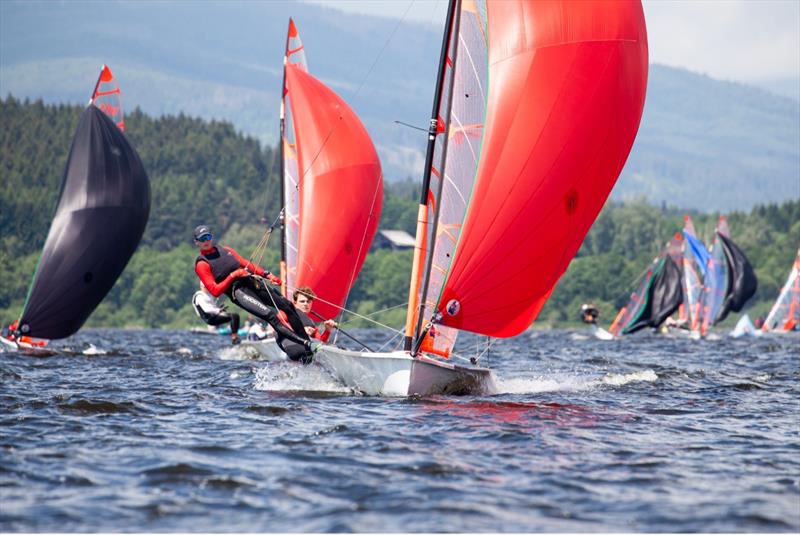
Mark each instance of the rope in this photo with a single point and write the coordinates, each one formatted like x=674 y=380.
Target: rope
x=258 y=253
x=392 y=329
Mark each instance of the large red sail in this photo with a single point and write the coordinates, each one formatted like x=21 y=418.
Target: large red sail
x=341 y=190
x=566 y=88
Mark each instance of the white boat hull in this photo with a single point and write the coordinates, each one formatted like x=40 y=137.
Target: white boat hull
x=398 y=374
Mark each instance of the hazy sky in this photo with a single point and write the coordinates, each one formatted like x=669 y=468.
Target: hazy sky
x=743 y=40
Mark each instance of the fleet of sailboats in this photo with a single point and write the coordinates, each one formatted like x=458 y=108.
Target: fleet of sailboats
x=702 y=286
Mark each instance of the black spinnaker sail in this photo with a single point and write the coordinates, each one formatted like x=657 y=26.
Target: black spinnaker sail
x=663 y=298
x=657 y=296
x=742 y=281
x=100 y=217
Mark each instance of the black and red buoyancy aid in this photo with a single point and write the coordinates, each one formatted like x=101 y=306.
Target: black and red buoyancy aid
x=222 y=263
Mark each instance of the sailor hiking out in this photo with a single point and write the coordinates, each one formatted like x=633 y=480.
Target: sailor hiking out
x=222 y=270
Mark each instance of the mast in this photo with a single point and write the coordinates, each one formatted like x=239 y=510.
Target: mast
x=414 y=304
x=97 y=85
x=282 y=156
x=419 y=335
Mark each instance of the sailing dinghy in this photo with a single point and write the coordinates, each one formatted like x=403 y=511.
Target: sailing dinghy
x=535 y=110
x=729 y=280
x=101 y=214
x=332 y=190
x=694 y=258
x=658 y=294
x=785 y=313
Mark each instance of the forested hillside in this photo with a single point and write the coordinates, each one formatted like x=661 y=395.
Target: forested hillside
x=703 y=143
x=207 y=172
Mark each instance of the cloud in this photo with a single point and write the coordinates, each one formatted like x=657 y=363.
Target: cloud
x=743 y=40
x=731 y=39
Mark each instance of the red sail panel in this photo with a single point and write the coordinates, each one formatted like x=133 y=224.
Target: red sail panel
x=107 y=97
x=785 y=313
x=566 y=89
x=341 y=190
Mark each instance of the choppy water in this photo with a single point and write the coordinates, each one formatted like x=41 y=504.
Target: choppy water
x=168 y=431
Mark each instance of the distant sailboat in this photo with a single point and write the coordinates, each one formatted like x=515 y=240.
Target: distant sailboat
x=694 y=258
x=101 y=214
x=785 y=313
x=729 y=280
x=535 y=110
x=332 y=189
x=658 y=294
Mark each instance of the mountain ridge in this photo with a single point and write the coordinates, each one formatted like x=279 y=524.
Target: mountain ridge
x=703 y=144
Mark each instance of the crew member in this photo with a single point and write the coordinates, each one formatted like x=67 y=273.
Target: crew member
x=303 y=299
x=208 y=309
x=222 y=270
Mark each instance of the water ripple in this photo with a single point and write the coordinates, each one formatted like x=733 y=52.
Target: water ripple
x=162 y=431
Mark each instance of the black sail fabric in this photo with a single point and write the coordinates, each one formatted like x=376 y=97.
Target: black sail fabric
x=742 y=281
x=664 y=296
x=645 y=314
x=667 y=293
x=100 y=217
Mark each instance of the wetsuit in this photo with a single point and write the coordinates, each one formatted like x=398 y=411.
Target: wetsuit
x=213 y=314
x=262 y=300
x=295 y=351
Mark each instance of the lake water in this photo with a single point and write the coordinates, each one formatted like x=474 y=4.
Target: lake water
x=169 y=431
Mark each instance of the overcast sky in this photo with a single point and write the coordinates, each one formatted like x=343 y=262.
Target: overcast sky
x=742 y=40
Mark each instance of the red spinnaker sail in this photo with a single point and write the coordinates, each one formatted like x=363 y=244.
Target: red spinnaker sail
x=566 y=88
x=341 y=190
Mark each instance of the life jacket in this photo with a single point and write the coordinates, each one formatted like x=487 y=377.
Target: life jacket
x=222 y=263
